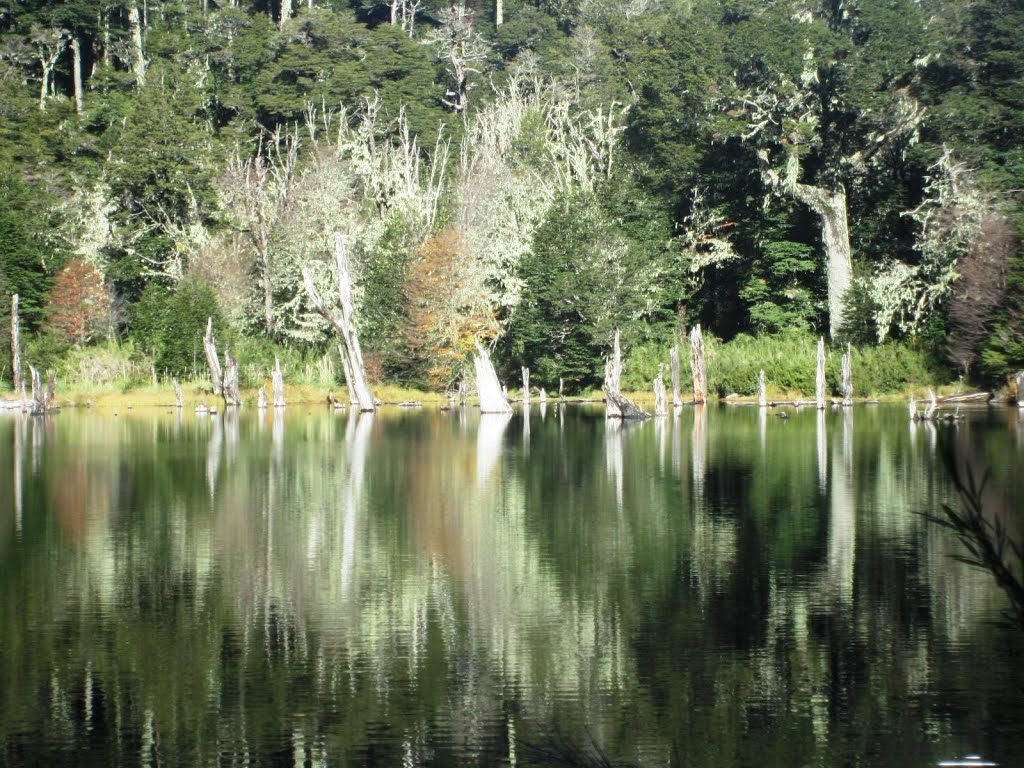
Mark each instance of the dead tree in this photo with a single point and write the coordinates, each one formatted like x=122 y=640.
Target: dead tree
x=277 y=383
x=660 y=396
x=179 y=399
x=673 y=357
x=489 y=390
x=1018 y=382
x=543 y=396
x=762 y=394
x=15 y=345
x=618 y=406
x=232 y=397
x=343 y=323
x=261 y=398
x=698 y=366
x=561 y=390
x=819 y=376
x=42 y=399
x=210 y=348
x=847 y=377
x=526 y=387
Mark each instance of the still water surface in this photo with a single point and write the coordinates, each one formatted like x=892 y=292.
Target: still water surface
x=719 y=588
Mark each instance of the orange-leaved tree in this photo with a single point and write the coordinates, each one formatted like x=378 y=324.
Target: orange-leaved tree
x=79 y=307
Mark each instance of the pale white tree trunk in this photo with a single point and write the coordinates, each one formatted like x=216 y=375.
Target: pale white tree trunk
x=526 y=387
x=286 y=11
x=277 y=383
x=76 y=50
x=499 y=12
x=488 y=388
x=660 y=396
x=232 y=397
x=673 y=356
x=698 y=366
x=762 y=393
x=618 y=406
x=343 y=323
x=179 y=398
x=261 y=398
x=819 y=376
x=210 y=348
x=1018 y=381
x=15 y=345
x=847 y=376
x=830 y=205
x=139 y=63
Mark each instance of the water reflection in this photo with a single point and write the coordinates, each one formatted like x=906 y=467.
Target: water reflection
x=427 y=588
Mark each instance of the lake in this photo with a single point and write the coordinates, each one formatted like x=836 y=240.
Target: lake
x=719 y=588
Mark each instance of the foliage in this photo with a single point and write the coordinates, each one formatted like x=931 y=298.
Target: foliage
x=78 y=307
x=23 y=249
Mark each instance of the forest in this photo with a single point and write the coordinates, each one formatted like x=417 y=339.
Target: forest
x=530 y=174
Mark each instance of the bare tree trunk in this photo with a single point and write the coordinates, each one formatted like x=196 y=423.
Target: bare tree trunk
x=543 y=396
x=933 y=404
x=526 y=387
x=286 y=11
x=847 y=377
x=394 y=11
x=673 y=356
x=698 y=366
x=210 y=347
x=179 y=399
x=499 y=12
x=232 y=398
x=42 y=399
x=277 y=382
x=15 y=345
x=488 y=388
x=76 y=50
x=561 y=390
x=261 y=398
x=1018 y=380
x=342 y=322
x=660 y=396
x=819 y=376
x=139 y=63
x=830 y=205
x=618 y=407
x=762 y=391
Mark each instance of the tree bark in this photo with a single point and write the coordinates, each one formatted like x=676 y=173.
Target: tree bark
x=232 y=397
x=847 y=377
x=76 y=50
x=830 y=205
x=139 y=63
x=762 y=393
x=526 y=387
x=618 y=407
x=673 y=356
x=819 y=376
x=210 y=348
x=499 y=12
x=342 y=322
x=261 y=398
x=660 y=396
x=488 y=388
x=286 y=11
x=179 y=399
x=15 y=345
x=277 y=382
x=698 y=366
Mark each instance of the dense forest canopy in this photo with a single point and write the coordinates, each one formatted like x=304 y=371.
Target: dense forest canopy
x=532 y=173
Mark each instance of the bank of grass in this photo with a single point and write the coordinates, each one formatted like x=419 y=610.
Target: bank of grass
x=889 y=371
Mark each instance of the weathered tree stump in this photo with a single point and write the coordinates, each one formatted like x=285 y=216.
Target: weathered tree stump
x=526 y=387
x=463 y=391
x=819 y=376
x=15 y=345
x=912 y=408
x=212 y=360
x=561 y=390
x=232 y=397
x=618 y=407
x=660 y=396
x=179 y=398
x=488 y=388
x=261 y=398
x=42 y=399
x=673 y=358
x=762 y=392
x=1018 y=381
x=698 y=366
x=847 y=376
x=543 y=396
x=277 y=384
x=342 y=321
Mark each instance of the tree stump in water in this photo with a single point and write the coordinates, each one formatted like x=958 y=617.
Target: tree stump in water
x=526 y=387
x=762 y=393
x=660 y=396
x=261 y=398
x=698 y=366
x=618 y=407
x=210 y=348
x=16 y=346
x=179 y=398
x=232 y=397
x=489 y=389
x=277 y=384
x=1019 y=387
x=673 y=359
x=847 y=376
x=819 y=376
